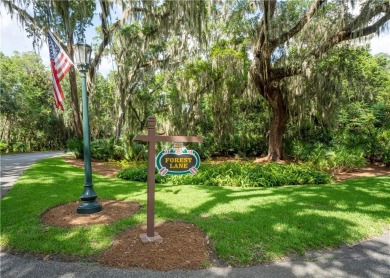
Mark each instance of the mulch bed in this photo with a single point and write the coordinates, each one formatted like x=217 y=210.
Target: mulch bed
x=369 y=171
x=66 y=215
x=185 y=246
x=103 y=168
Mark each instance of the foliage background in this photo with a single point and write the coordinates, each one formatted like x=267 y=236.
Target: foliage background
x=188 y=64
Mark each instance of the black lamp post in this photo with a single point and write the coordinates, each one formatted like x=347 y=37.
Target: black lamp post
x=82 y=55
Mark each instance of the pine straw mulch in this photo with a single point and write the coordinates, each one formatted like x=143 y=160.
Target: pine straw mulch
x=66 y=215
x=372 y=170
x=185 y=245
x=107 y=169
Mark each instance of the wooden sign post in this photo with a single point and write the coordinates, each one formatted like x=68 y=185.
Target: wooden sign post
x=152 y=138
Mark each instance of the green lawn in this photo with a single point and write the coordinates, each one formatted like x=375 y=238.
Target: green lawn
x=245 y=225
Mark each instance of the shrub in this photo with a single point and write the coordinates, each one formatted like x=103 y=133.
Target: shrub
x=139 y=173
x=298 y=150
x=20 y=147
x=383 y=139
x=242 y=174
x=76 y=146
x=134 y=174
x=322 y=157
x=346 y=159
x=102 y=149
x=3 y=146
x=205 y=150
x=131 y=150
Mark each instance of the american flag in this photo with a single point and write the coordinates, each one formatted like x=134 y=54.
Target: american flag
x=60 y=65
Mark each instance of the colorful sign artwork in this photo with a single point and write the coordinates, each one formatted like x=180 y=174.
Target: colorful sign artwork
x=177 y=161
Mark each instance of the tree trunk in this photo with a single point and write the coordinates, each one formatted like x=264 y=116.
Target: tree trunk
x=73 y=94
x=4 y=126
x=119 y=122
x=278 y=124
x=75 y=104
x=124 y=101
x=274 y=98
x=9 y=137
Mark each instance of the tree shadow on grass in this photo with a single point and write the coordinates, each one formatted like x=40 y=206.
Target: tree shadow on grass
x=51 y=183
x=274 y=222
x=245 y=226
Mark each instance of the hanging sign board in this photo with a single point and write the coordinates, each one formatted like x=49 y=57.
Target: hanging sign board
x=177 y=161
x=152 y=138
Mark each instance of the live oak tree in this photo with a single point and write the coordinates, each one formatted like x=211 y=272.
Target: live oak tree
x=152 y=36
x=291 y=36
x=287 y=39
x=204 y=95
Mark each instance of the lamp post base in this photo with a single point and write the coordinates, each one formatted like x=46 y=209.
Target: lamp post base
x=89 y=207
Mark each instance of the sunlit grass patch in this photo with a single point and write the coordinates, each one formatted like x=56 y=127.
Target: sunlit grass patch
x=245 y=225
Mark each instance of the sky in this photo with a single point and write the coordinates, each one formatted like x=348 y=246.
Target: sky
x=14 y=38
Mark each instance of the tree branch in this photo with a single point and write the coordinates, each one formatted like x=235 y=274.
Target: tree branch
x=26 y=18
x=349 y=33
x=269 y=10
x=370 y=29
x=345 y=34
x=299 y=26
x=280 y=73
x=108 y=31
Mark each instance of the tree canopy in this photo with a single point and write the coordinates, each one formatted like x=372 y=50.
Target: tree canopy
x=247 y=75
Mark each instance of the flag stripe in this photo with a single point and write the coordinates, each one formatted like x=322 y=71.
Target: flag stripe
x=58 y=94
x=64 y=71
x=60 y=65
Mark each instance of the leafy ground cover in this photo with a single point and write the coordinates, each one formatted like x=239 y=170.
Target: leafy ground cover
x=243 y=174
x=245 y=225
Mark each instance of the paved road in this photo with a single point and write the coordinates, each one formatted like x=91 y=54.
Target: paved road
x=13 y=165
x=367 y=259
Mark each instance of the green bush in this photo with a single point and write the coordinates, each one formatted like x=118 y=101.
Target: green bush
x=383 y=139
x=243 y=174
x=346 y=159
x=131 y=150
x=134 y=174
x=322 y=157
x=243 y=145
x=20 y=147
x=139 y=173
x=359 y=136
x=135 y=151
x=102 y=149
x=76 y=146
x=207 y=149
x=3 y=146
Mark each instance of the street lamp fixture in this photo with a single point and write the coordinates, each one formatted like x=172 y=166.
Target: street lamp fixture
x=89 y=205
x=82 y=56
